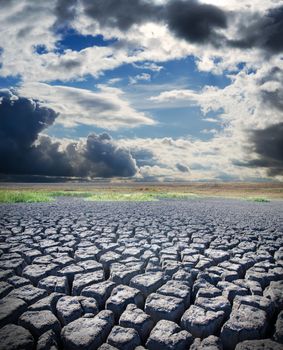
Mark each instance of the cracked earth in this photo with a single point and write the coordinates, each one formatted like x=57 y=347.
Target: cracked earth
x=199 y=274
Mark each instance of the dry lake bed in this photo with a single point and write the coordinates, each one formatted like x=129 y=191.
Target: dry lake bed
x=171 y=274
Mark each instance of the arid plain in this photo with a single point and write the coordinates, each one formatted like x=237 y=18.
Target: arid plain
x=192 y=268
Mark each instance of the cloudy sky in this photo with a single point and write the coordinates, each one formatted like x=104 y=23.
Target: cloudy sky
x=147 y=89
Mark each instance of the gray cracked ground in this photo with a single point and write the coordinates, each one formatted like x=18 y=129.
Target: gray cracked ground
x=200 y=274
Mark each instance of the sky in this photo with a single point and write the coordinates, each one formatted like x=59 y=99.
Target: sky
x=150 y=90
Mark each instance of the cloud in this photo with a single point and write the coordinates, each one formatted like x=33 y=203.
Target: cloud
x=224 y=37
x=182 y=168
x=65 y=11
x=212 y=160
x=253 y=101
x=140 y=77
x=107 y=158
x=259 y=31
x=149 y=66
x=274 y=98
x=195 y=22
x=23 y=151
x=143 y=156
x=176 y=95
x=271 y=89
x=29 y=23
x=106 y=108
x=267 y=144
x=145 y=32
x=250 y=101
x=121 y=14
x=22 y=119
x=189 y=20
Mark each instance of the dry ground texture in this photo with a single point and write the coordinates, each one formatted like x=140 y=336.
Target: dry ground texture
x=198 y=274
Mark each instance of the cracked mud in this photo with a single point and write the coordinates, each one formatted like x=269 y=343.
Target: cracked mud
x=200 y=274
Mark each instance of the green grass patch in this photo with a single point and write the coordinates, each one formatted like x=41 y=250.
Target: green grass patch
x=176 y=195
x=124 y=197
x=77 y=194
x=28 y=196
x=24 y=197
x=139 y=196
x=259 y=199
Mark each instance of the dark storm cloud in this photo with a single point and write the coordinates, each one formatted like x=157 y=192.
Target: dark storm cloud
x=195 y=22
x=22 y=119
x=143 y=157
x=106 y=156
x=268 y=144
x=264 y=32
x=189 y=19
x=275 y=73
x=273 y=98
x=24 y=152
x=121 y=13
x=65 y=11
x=182 y=168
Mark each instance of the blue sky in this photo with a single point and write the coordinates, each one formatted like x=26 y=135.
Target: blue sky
x=153 y=78
x=171 y=122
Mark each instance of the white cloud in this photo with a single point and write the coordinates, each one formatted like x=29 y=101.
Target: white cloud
x=241 y=109
x=239 y=104
x=26 y=24
x=236 y=5
x=23 y=27
x=211 y=160
x=140 y=77
x=176 y=95
x=144 y=46
x=107 y=108
x=149 y=65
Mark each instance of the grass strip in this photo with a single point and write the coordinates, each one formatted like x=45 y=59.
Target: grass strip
x=259 y=199
x=24 y=197
x=29 y=196
x=123 y=197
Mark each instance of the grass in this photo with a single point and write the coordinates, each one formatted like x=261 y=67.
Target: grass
x=66 y=193
x=11 y=196
x=259 y=199
x=176 y=195
x=133 y=197
x=261 y=193
x=138 y=196
x=241 y=190
x=27 y=196
x=24 y=197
